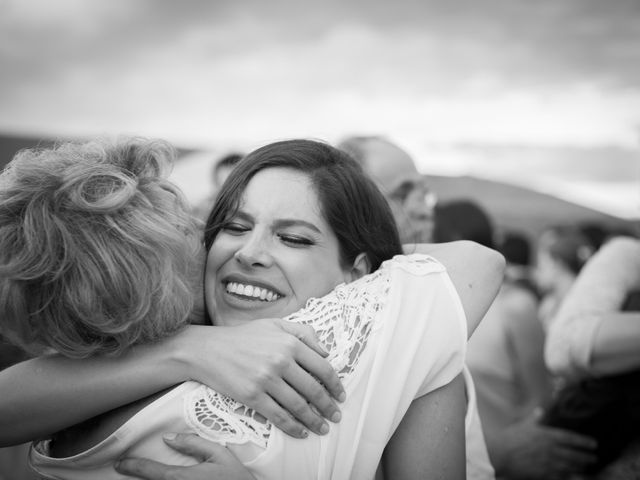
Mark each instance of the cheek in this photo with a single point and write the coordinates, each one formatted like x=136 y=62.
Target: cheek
x=215 y=260
x=323 y=278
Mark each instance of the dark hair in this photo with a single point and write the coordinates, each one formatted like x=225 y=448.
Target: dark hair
x=462 y=220
x=352 y=204
x=516 y=248
x=596 y=234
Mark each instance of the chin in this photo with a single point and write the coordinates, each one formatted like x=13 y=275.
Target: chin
x=231 y=319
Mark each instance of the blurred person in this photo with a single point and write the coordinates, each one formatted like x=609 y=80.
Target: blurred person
x=230 y=226
x=223 y=168
x=595 y=232
x=505 y=357
x=594 y=343
x=516 y=248
x=463 y=219
x=407 y=190
x=219 y=173
x=587 y=335
x=561 y=251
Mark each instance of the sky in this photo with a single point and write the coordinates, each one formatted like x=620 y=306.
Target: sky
x=543 y=93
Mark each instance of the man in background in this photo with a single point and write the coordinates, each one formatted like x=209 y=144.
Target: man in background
x=395 y=172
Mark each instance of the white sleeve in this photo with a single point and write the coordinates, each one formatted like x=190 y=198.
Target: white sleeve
x=409 y=309
x=392 y=336
x=429 y=335
x=600 y=288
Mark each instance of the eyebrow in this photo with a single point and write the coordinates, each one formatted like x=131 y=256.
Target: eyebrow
x=284 y=222
x=294 y=222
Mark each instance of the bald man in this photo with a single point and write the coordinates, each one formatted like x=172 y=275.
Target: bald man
x=395 y=172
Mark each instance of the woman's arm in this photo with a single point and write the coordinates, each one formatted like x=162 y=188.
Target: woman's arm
x=615 y=346
x=476 y=272
x=263 y=364
x=430 y=440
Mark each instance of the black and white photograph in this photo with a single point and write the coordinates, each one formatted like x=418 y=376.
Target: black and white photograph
x=339 y=240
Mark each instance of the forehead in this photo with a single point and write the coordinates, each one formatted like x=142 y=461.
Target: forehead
x=388 y=164
x=284 y=192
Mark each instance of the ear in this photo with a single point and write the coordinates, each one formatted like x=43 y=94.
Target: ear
x=361 y=267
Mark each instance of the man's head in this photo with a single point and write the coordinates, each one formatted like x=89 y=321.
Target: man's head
x=396 y=174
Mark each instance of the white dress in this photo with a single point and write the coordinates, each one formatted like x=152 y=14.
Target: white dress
x=394 y=335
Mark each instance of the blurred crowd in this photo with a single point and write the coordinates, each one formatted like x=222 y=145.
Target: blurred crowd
x=556 y=360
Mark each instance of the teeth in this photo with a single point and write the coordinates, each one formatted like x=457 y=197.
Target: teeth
x=252 y=291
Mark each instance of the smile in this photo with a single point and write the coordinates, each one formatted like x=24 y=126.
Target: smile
x=252 y=291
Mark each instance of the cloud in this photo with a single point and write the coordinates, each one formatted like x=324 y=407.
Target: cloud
x=543 y=71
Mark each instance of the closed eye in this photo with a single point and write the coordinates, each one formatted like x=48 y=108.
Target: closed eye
x=295 y=240
x=235 y=228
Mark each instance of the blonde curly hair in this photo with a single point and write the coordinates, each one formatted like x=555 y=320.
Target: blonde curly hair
x=98 y=250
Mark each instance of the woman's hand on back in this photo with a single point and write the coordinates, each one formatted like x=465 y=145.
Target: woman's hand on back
x=273 y=366
x=216 y=462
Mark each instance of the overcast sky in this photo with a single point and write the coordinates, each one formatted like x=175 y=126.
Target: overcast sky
x=517 y=88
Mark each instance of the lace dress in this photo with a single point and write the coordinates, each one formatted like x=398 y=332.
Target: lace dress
x=392 y=336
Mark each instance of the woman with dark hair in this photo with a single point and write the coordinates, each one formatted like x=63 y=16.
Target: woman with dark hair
x=300 y=231
x=561 y=251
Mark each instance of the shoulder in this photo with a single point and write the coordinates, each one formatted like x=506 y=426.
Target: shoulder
x=461 y=252
x=417 y=264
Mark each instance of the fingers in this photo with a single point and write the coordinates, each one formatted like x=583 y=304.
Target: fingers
x=305 y=334
x=279 y=416
x=571 y=452
x=293 y=395
x=143 y=468
x=217 y=462
x=288 y=410
x=318 y=367
x=310 y=400
x=198 y=448
x=576 y=460
x=572 y=439
x=292 y=401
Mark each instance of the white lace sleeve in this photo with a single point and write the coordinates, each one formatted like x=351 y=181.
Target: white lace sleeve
x=345 y=320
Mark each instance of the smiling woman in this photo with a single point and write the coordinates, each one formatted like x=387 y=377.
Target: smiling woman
x=284 y=210
x=300 y=231
x=280 y=228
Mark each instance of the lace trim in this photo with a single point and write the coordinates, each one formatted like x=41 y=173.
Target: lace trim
x=221 y=419
x=343 y=321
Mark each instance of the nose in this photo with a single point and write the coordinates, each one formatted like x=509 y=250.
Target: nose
x=254 y=253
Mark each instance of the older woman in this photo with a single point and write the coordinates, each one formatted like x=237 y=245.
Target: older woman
x=296 y=231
